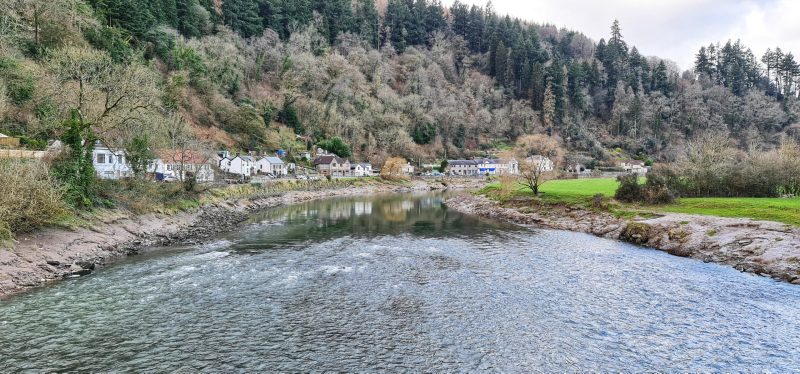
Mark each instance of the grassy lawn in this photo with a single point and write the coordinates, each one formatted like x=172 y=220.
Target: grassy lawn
x=581 y=190
x=577 y=188
x=779 y=210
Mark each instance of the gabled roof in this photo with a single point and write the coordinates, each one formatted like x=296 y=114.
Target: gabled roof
x=462 y=162
x=273 y=160
x=328 y=159
x=247 y=158
x=364 y=165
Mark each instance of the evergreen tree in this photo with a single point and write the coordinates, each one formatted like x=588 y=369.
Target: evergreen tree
x=242 y=16
x=549 y=109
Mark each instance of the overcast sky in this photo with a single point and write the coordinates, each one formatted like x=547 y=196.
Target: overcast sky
x=673 y=29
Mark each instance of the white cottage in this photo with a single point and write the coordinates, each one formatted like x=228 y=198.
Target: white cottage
x=541 y=163
x=243 y=166
x=271 y=165
x=110 y=163
x=361 y=169
x=634 y=166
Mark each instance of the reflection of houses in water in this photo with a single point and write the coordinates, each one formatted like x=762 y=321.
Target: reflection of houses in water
x=340 y=211
x=347 y=209
x=430 y=202
x=362 y=208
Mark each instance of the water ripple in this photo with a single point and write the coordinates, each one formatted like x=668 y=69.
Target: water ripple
x=348 y=291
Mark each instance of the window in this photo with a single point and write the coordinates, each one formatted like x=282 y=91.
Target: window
x=101 y=158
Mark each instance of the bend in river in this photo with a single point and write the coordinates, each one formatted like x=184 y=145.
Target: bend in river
x=396 y=283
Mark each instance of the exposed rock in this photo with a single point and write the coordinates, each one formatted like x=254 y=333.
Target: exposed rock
x=53 y=253
x=636 y=233
x=758 y=247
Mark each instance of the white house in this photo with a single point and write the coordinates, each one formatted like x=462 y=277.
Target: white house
x=408 y=169
x=110 y=163
x=243 y=166
x=175 y=165
x=482 y=166
x=271 y=165
x=541 y=163
x=633 y=166
x=361 y=169
x=462 y=167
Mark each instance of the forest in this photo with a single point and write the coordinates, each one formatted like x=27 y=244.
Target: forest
x=409 y=78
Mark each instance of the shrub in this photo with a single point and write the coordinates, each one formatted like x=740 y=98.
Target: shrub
x=29 y=197
x=661 y=186
x=393 y=169
x=629 y=188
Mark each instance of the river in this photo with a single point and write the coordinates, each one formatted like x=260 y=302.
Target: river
x=399 y=283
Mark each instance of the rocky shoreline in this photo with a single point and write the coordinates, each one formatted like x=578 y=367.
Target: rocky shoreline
x=765 y=248
x=53 y=254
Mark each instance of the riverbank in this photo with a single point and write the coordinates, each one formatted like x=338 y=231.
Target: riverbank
x=56 y=253
x=759 y=247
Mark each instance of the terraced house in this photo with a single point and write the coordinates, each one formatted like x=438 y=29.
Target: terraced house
x=482 y=166
x=333 y=166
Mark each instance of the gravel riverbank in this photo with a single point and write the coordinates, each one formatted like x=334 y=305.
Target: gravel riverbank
x=55 y=253
x=764 y=248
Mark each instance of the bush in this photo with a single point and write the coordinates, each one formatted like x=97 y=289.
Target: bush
x=629 y=188
x=29 y=197
x=661 y=185
x=393 y=169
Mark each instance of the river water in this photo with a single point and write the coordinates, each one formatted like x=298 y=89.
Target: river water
x=399 y=283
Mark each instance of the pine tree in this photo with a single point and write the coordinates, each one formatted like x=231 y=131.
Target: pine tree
x=242 y=16
x=500 y=62
x=660 y=78
x=549 y=108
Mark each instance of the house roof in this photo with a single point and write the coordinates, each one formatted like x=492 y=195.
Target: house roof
x=327 y=159
x=3 y=135
x=273 y=160
x=635 y=162
x=364 y=165
x=462 y=162
x=478 y=161
x=538 y=158
x=248 y=158
x=177 y=156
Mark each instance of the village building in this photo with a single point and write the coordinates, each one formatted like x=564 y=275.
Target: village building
x=110 y=163
x=462 y=167
x=633 y=166
x=408 y=169
x=271 y=165
x=331 y=165
x=177 y=165
x=578 y=169
x=361 y=169
x=243 y=166
x=482 y=166
x=541 y=163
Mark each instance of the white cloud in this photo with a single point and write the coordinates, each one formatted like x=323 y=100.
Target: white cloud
x=672 y=29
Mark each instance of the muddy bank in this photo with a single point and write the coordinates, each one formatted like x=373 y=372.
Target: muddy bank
x=56 y=253
x=764 y=248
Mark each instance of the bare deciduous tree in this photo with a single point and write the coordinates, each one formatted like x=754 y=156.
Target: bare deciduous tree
x=540 y=157
x=118 y=101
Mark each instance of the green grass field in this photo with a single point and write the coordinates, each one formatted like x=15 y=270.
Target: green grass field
x=580 y=190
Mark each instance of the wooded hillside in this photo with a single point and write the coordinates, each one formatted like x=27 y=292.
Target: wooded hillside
x=398 y=77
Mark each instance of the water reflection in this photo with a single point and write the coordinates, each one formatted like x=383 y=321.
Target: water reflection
x=422 y=215
x=401 y=284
